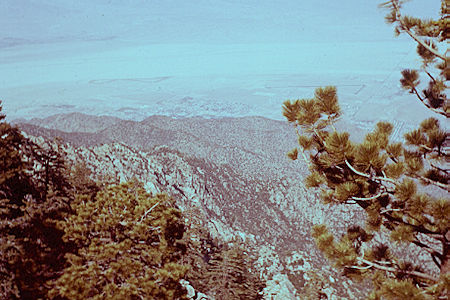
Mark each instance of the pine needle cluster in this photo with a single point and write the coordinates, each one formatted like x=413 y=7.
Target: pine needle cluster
x=385 y=178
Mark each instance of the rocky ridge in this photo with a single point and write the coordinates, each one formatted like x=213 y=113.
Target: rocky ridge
x=273 y=214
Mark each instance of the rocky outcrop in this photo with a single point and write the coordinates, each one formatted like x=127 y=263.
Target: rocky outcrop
x=191 y=293
x=280 y=288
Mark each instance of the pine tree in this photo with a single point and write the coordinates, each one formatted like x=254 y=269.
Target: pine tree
x=222 y=271
x=230 y=274
x=127 y=245
x=14 y=181
x=33 y=196
x=81 y=181
x=428 y=34
x=384 y=178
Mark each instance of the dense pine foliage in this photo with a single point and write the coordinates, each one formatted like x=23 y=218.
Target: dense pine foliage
x=33 y=195
x=403 y=187
x=127 y=246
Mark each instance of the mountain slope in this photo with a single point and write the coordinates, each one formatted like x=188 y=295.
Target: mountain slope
x=254 y=146
x=274 y=210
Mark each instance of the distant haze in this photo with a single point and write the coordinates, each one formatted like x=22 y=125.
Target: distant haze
x=54 y=54
x=201 y=21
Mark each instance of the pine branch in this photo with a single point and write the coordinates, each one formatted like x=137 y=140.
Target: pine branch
x=331 y=121
x=426 y=148
x=392 y=158
x=413 y=35
x=348 y=202
x=380 y=194
x=321 y=139
x=361 y=268
x=395 y=270
x=303 y=152
x=148 y=211
x=369 y=176
x=429 y=75
x=434 y=254
x=383 y=211
x=430 y=181
x=418 y=228
x=440 y=169
x=428 y=105
x=425 y=45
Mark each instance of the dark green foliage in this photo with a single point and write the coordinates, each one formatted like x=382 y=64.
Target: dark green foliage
x=410 y=79
x=224 y=271
x=127 y=247
x=65 y=236
x=33 y=195
x=230 y=275
x=386 y=180
x=39 y=231
x=81 y=181
x=49 y=171
x=14 y=182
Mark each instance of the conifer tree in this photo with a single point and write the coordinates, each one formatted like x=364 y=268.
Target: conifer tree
x=386 y=179
x=31 y=247
x=230 y=274
x=127 y=245
x=14 y=181
x=222 y=271
x=428 y=34
x=81 y=181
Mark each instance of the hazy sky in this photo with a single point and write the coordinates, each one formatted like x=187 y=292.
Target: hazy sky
x=199 y=21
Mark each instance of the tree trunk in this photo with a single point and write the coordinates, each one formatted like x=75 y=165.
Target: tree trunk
x=445 y=264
